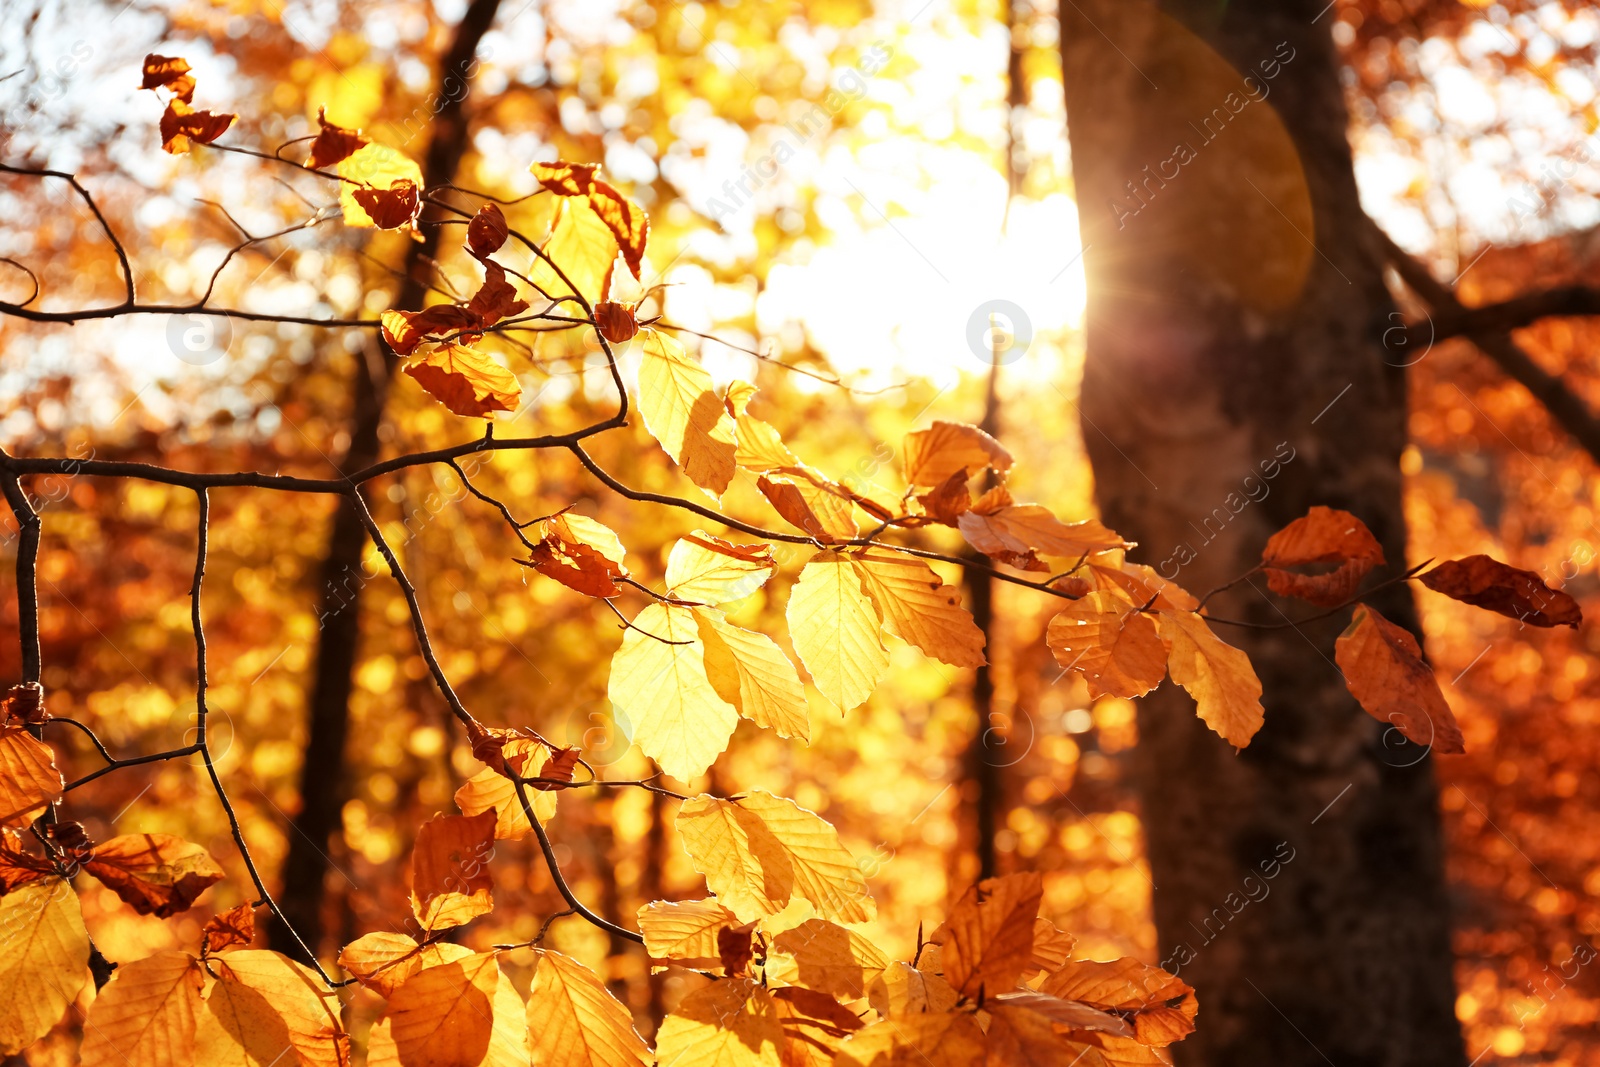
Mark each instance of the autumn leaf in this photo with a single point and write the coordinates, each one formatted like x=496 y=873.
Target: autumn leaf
x=1518 y=594
x=444 y=1016
x=489 y=790
x=812 y=504
x=615 y=322
x=371 y=168
x=904 y=990
x=936 y=455
x=1322 y=535
x=265 y=1008
x=182 y=125
x=405 y=331
x=731 y=1023
x=333 y=144
x=685 y=932
x=660 y=688
x=814 y=1025
x=168 y=72
x=1022 y=529
x=45 y=962
x=1113 y=645
x=761 y=851
x=1383 y=669
x=29 y=781
x=834 y=625
x=949 y=500
x=825 y=957
x=761 y=448
x=18 y=866
x=628 y=223
x=934 y=1039
x=750 y=672
x=383 y=961
x=579 y=552
x=988 y=940
x=145 y=1016
x=230 y=929
x=1160 y=1007
x=582 y=245
x=1140 y=586
x=1218 y=676
x=23 y=703
x=158 y=874
x=1027 y=1028
x=683 y=412
x=919 y=608
x=487 y=231
x=465 y=380
x=1051 y=947
x=496 y=298
x=709 y=570
x=576 y=1020
x=450 y=879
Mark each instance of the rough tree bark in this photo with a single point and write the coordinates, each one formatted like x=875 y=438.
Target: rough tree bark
x=1236 y=375
x=322 y=775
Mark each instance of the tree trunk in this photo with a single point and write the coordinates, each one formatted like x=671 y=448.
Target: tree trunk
x=1235 y=377
x=323 y=774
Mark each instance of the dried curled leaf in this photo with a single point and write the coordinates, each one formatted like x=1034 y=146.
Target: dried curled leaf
x=333 y=144
x=373 y=167
x=391 y=208
x=497 y=298
x=1487 y=583
x=23 y=703
x=29 y=781
x=487 y=231
x=616 y=322
x=406 y=330
x=230 y=929
x=628 y=223
x=811 y=502
x=182 y=125
x=450 y=879
x=1322 y=535
x=158 y=874
x=579 y=552
x=465 y=380
x=1384 y=671
x=18 y=866
x=168 y=72
x=945 y=450
x=988 y=939
x=761 y=851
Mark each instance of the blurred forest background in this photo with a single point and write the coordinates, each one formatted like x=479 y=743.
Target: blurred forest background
x=842 y=185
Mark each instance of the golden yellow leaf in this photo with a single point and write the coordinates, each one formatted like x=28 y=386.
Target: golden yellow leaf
x=582 y=245
x=1022 y=528
x=761 y=447
x=377 y=166
x=450 y=879
x=1115 y=647
x=731 y=1023
x=489 y=789
x=919 y=607
x=661 y=692
x=444 y=1016
x=508 y=1034
x=761 y=851
x=465 y=380
x=382 y=961
x=1160 y=1006
x=826 y=957
x=810 y=502
x=1027 y=1028
x=145 y=1016
x=575 y=1019
x=1225 y=688
x=626 y=220
x=932 y=456
x=834 y=625
x=935 y=1039
x=685 y=932
x=1140 y=585
x=158 y=874
x=904 y=990
x=814 y=1025
x=681 y=410
x=988 y=939
x=709 y=570
x=44 y=961
x=265 y=1009
x=29 y=781
x=750 y=672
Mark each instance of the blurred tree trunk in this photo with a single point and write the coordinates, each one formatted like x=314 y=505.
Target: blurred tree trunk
x=1235 y=377
x=322 y=775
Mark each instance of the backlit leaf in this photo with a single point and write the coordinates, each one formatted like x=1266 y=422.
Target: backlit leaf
x=465 y=380
x=731 y=1023
x=826 y=957
x=182 y=126
x=919 y=607
x=383 y=961
x=834 y=625
x=1384 y=671
x=761 y=851
x=267 y=1009
x=1114 y=646
x=685 y=932
x=334 y=144
x=45 y=961
x=145 y=1016
x=444 y=1016
x=450 y=879
x=660 y=689
x=904 y=990
x=935 y=1039
x=575 y=1019
x=1020 y=529
x=710 y=570
x=988 y=940
x=229 y=929
x=375 y=166
x=490 y=790
x=932 y=456
x=681 y=410
x=810 y=502
x=158 y=874
x=1218 y=676
x=1518 y=594
x=579 y=552
x=582 y=245
x=29 y=781
x=750 y=672
x=1160 y=1006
